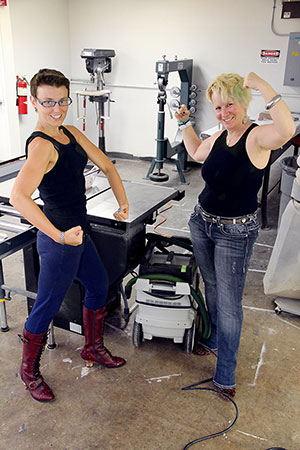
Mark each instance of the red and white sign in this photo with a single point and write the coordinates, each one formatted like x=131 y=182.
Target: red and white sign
x=3 y=3
x=269 y=56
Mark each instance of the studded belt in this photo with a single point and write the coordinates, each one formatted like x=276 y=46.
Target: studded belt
x=214 y=219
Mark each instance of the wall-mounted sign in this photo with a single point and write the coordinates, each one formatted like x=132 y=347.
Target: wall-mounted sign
x=3 y=3
x=269 y=56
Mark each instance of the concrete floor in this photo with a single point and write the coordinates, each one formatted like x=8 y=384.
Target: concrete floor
x=141 y=406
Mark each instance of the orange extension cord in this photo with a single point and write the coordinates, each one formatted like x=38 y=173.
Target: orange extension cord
x=163 y=221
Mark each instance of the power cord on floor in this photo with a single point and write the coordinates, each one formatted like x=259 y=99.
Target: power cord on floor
x=195 y=386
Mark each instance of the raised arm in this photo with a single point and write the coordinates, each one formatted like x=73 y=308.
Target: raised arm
x=109 y=170
x=271 y=136
x=198 y=150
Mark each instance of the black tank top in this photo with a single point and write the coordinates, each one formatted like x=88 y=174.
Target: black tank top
x=232 y=181
x=62 y=189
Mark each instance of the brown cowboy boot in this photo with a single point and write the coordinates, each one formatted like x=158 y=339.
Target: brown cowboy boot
x=94 y=350
x=33 y=346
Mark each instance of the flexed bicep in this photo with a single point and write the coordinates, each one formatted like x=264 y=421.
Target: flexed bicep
x=40 y=155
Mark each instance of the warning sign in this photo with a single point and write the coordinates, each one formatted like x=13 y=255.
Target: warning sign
x=269 y=56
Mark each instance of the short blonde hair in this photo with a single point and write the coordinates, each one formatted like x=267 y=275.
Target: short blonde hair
x=230 y=87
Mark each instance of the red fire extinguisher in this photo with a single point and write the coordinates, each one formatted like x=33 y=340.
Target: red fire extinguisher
x=21 y=88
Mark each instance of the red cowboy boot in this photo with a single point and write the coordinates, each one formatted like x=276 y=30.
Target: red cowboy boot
x=94 y=350
x=33 y=346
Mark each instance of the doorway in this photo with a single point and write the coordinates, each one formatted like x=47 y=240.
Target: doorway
x=5 y=145
x=9 y=121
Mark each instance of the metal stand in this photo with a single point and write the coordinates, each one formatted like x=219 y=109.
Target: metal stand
x=7 y=297
x=165 y=150
x=99 y=96
x=26 y=235
x=51 y=341
x=97 y=63
x=3 y=319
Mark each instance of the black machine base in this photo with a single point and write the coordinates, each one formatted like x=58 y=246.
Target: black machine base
x=120 y=251
x=159 y=177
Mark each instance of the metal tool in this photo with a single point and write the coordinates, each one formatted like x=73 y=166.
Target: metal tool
x=164 y=149
x=97 y=62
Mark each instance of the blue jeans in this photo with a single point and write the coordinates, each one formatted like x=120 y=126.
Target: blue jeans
x=223 y=253
x=59 y=266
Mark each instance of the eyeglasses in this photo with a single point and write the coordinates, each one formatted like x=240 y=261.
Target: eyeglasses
x=52 y=103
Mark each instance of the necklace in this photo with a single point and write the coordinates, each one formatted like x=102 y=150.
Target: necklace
x=230 y=141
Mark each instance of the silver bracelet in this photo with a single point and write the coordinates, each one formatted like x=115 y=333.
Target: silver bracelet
x=185 y=125
x=273 y=102
x=62 y=237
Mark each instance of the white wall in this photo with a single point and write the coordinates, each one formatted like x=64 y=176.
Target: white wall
x=40 y=33
x=9 y=124
x=219 y=36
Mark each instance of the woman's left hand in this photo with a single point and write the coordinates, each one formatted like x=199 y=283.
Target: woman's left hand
x=122 y=213
x=253 y=81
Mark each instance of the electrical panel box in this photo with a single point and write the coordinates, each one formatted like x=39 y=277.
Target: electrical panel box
x=290 y=10
x=292 y=68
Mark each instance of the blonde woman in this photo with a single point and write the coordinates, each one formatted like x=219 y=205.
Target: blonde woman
x=224 y=224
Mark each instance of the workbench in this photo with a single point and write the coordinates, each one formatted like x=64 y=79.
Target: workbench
x=120 y=244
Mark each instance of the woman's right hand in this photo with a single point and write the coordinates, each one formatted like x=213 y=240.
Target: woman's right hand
x=182 y=113
x=74 y=236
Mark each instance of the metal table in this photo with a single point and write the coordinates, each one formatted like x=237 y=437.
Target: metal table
x=19 y=236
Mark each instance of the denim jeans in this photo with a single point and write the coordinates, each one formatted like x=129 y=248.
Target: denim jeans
x=59 y=266
x=223 y=252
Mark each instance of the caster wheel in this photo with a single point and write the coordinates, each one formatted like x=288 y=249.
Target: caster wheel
x=137 y=334
x=277 y=310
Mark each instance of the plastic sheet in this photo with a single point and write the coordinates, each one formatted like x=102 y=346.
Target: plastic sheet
x=288 y=173
x=283 y=273
x=289 y=165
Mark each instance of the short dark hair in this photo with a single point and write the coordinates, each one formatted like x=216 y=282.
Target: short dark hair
x=50 y=77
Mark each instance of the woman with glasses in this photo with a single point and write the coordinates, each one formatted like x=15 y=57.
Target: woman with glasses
x=56 y=158
x=224 y=224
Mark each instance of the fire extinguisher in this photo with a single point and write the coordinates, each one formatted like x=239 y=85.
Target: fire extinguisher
x=21 y=91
